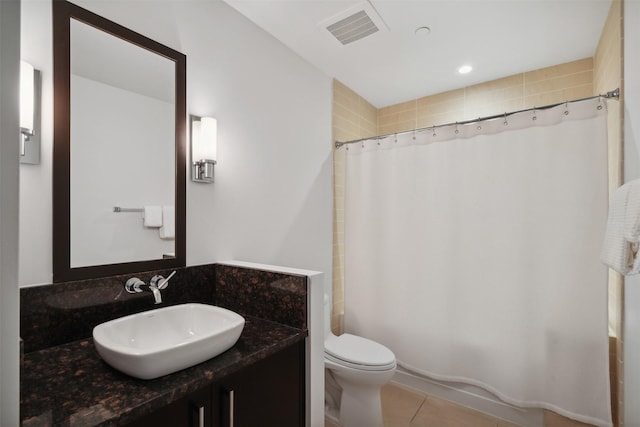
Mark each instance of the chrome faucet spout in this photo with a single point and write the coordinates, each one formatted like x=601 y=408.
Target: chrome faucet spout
x=156 y=294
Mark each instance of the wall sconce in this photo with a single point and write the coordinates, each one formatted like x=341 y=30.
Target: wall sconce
x=30 y=93
x=204 y=134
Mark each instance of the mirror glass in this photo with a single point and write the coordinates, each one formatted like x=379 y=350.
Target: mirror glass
x=119 y=149
x=122 y=149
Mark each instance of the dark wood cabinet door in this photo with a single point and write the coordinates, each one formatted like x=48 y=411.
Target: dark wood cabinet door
x=268 y=393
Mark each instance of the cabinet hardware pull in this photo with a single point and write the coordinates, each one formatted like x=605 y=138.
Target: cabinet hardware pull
x=200 y=416
x=227 y=405
x=231 y=409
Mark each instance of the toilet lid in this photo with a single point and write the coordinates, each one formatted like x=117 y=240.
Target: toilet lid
x=359 y=351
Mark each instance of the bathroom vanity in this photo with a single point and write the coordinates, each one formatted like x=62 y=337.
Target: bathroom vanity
x=264 y=372
x=260 y=381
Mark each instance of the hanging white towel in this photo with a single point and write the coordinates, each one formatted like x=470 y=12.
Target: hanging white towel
x=152 y=216
x=632 y=223
x=168 y=229
x=632 y=212
x=619 y=252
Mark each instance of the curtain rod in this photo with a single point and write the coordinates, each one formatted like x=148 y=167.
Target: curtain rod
x=614 y=94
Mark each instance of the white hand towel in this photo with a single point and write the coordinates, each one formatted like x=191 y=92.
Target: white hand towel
x=168 y=229
x=632 y=212
x=617 y=252
x=152 y=216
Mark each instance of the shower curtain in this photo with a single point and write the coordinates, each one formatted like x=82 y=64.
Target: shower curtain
x=472 y=252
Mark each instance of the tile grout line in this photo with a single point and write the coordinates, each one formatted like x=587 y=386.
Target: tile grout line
x=424 y=400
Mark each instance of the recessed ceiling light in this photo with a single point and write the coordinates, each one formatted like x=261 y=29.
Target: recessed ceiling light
x=422 y=31
x=465 y=69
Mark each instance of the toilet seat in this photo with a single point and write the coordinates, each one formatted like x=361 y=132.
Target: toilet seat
x=359 y=353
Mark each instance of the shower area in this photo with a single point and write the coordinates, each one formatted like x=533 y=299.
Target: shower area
x=471 y=250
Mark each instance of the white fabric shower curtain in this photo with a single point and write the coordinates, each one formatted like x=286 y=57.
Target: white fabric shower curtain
x=472 y=252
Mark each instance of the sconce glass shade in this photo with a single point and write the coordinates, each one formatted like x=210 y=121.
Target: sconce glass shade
x=204 y=134
x=26 y=95
x=208 y=139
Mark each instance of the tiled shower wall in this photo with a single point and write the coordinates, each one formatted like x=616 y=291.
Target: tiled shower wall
x=355 y=118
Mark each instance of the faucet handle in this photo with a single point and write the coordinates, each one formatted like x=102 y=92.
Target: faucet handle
x=160 y=282
x=133 y=285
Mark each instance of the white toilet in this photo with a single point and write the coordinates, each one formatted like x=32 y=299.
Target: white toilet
x=355 y=370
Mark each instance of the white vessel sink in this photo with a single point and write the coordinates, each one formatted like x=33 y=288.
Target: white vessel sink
x=158 y=342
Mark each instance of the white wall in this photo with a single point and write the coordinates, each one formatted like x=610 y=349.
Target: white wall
x=35 y=180
x=271 y=201
x=632 y=171
x=9 y=131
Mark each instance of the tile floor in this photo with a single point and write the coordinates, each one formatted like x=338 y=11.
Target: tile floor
x=404 y=408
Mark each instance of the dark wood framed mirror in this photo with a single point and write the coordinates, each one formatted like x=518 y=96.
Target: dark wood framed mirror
x=119 y=148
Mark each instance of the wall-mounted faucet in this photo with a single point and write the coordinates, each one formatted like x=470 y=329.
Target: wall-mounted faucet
x=135 y=285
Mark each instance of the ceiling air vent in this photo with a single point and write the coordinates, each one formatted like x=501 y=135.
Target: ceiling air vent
x=355 y=23
x=352 y=28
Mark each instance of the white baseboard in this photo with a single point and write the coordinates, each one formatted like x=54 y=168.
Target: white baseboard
x=471 y=397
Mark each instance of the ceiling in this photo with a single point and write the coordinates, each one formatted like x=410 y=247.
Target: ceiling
x=497 y=38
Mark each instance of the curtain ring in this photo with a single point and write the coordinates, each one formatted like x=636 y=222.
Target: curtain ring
x=534 y=118
x=479 y=127
x=456 y=131
x=434 y=130
x=599 y=107
x=566 y=108
x=414 y=134
x=395 y=138
x=506 y=123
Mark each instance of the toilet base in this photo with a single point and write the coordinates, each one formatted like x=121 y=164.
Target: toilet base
x=354 y=399
x=361 y=409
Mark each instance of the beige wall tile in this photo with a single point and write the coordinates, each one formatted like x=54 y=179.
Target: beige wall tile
x=396 y=127
x=558 y=96
x=584 y=78
x=430 y=106
x=559 y=70
x=397 y=108
x=442 y=118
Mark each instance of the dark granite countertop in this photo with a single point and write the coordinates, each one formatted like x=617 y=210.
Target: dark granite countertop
x=70 y=385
